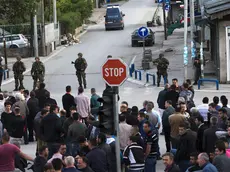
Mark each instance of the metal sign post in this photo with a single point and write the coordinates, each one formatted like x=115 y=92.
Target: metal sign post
x=143 y=32
x=116 y=127
x=143 y=46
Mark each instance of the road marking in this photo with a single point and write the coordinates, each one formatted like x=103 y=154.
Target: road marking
x=28 y=70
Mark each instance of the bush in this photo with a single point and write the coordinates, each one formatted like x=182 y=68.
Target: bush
x=70 y=21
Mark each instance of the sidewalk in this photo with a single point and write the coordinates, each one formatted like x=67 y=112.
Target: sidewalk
x=175 y=57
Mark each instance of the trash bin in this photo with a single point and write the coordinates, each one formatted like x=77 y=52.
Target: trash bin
x=145 y=64
x=148 y=55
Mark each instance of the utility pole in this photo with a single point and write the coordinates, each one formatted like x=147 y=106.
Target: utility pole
x=201 y=51
x=116 y=120
x=165 y=31
x=192 y=29
x=97 y=6
x=5 y=53
x=43 y=28
x=35 y=35
x=185 y=39
x=55 y=12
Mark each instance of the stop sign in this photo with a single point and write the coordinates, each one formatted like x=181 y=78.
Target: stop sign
x=114 y=72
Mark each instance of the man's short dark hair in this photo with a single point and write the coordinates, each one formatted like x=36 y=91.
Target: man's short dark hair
x=225 y=102
x=122 y=117
x=42 y=85
x=42 y=149
x=53 y=108
x=80 y=90
x=75 y=116
x=185 y=85
x=32 y=94
x=173 y=87
x=220 y=145
x=57 y=164
x=169 y=154
x=169 y=102
x=194 y=154
x=1 y=96
x=102 y=136
x=93 y=90
x=148 y=123
x=125 y=102
x=142 y=114
x=212 y=105
x=223 y=110
x=134 y=138
x=205 y=100
x=26 y=92
x=7 y=103
x=216 y=100
x=72 y=108
x=200 y=118
x=222 y=97
x=68 y=88
x=175 y=79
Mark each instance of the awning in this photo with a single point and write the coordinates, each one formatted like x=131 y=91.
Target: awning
x=204 y=21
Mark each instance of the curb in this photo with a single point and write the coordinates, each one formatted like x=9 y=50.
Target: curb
x=28 y=70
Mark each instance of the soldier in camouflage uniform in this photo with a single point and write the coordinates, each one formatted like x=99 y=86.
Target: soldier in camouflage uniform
x=80 y=65
x=37 y=72
x=162 y=66
x=18 y=69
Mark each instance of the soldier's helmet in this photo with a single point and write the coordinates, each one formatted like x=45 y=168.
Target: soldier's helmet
x=161 y=55
x=37 y=58
x=18 y=58
x=80 y=54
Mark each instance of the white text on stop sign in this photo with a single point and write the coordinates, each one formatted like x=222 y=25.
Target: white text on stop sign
x=117 y=72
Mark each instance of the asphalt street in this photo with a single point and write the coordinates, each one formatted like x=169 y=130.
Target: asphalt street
x=96 y=45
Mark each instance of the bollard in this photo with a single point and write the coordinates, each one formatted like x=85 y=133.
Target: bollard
x=139 y=72
x=154 y=78
x=131 y=70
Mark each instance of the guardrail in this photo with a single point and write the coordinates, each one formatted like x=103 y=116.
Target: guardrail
x=131 y=70
x=208 y=80
x=153 y=76
x=139 y=74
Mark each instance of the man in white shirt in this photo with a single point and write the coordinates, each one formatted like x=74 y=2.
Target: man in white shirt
x=203 y=108
x=83 y=104
x=2 y=107
x=125 y=131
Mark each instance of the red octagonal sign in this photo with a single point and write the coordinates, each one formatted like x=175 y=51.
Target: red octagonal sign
x=114 y=72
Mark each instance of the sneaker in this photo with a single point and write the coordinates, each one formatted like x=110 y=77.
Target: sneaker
x=15 y=89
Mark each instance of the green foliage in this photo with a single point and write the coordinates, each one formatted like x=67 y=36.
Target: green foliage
x=69 y=21
x=16 y=11
x=73 y=12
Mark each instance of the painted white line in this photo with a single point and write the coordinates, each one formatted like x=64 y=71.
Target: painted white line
x=28 y=70
x=132 y=61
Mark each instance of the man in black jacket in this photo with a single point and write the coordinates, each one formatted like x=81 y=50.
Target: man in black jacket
x=168 y=160
x=161 y=98
x=101 y=140
x=51 y=129
x=33 y=106
x=40 y=95
x=68 y=101
x=41 y=160
x=165 y=122
x=187 y=145
x=49 y=100
x=172 y=95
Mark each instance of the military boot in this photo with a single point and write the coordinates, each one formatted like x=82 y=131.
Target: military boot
x=158 y=84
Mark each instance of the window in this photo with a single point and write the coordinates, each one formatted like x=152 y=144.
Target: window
x=15 y=37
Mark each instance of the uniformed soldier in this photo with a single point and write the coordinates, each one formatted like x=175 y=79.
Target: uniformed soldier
x=37 y=72
x=162 y=66
x=80 y=65
x=18 y=69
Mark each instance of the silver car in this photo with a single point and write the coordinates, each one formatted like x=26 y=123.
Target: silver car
x=14 y=41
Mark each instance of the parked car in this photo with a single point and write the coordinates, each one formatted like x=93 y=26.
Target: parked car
x=14 y=41
x=136 y=39
x=114 y=18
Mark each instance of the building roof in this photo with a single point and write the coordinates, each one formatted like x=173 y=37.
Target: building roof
x=217 y=8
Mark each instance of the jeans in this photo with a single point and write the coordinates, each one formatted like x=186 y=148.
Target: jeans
x=52 y=148
x=72 y=149
x=150 y=164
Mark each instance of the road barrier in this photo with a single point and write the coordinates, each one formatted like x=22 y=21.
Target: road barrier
x=131 y=70
x=208 y=80
x=153 y=76
x=139 y=73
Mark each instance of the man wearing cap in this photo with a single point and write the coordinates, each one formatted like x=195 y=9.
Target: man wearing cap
x=80 y=65
x=37 y=72
x=162 y=66
x=18 y=69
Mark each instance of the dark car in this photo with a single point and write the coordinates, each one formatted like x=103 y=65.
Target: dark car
x=136 y=39
x=114 y=18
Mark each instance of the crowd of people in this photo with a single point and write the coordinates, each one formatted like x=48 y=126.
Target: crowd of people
x=197 y=137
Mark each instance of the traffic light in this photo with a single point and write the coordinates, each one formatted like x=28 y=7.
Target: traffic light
x=106 y=111
x=197 y=36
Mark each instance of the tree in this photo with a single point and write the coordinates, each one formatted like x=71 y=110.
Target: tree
x=17 y=11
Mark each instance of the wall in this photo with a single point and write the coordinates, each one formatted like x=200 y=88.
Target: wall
x=222 y=50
